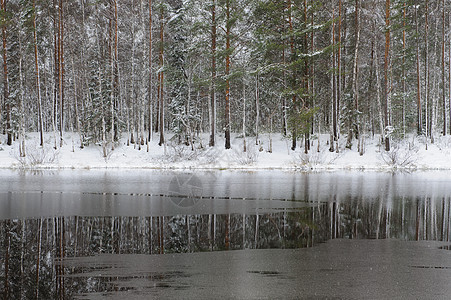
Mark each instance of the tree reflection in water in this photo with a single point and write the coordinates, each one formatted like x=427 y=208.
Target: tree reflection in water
x=35 y=252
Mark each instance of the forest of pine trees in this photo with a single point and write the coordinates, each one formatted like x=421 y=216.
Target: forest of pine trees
x=133 y=68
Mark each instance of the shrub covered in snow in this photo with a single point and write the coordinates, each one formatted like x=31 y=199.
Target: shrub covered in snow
x=37 y=156
x=400 y=155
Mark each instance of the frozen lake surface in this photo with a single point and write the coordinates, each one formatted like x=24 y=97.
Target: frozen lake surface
x=143 y=234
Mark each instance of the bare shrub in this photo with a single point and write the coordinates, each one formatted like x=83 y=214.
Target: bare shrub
x=249 y=157
x=209 y=156
x=321 y=156
x=400 y=156
x=37 y=156
x=180 y=152
x=444 y=143
x=106 y=150
x=313 y=158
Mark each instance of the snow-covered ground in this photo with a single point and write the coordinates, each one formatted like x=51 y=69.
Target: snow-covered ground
x=412 y=153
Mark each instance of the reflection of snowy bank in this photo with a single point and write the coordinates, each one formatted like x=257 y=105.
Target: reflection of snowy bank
x=270 y=152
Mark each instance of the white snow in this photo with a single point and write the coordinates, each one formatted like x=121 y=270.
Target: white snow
x=410 y=154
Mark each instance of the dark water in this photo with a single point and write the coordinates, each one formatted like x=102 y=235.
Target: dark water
x=152 y=234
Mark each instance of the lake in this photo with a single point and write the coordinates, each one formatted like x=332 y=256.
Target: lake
x=145 y=234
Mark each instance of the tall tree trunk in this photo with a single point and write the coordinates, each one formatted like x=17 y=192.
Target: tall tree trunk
x=284 y=78
x=257 y=108
x=356 y=57
x=386 y=74
x=213 y=75
x=312 y=77
x=378 y=85
x=61 y=68
x=449 y=76
x=435 y=82
x=339 y=79
x=293 y=72
x=161 y=83
x=38 y=79
x=355 y=86
x=426 y=69
x=403 y=81
x=150 y=74
x=104 y=143
x=114 y=58
x=334 y=131
x=227 y=73
x=55 y=96
x=132 y=101
x=21 y=103
x=77 y=114
x=305 y=79
x=419 y=105
x=443 y=68
x=142 y=81
x=5 y=78
x=244 y=116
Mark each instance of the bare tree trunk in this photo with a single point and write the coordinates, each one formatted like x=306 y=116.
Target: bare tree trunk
x=5 y=79
x=284 y=100
x=426 y=69
x=443 y=68
x=386 y=74
x=21 y=103
x=114 y=86
x=419 y=108
x=257 y=108
x=356 y=73
x=142 y=81
x=161 y=83
x=227 y=73
x=104 y=142
x=305 y=79
x=404 y=88
x=334 y=131
x=150 y=75
x=213 y=75
x=293 y=75
x=339 y=79
x=61 y=68
x=244 y=116
x=38 y=79
x=77 y=116
x=435 y=83
x=355 y=70
x=378 y=88
x=56 y=68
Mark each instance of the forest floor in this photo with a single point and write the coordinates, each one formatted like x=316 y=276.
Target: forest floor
x=412 y=153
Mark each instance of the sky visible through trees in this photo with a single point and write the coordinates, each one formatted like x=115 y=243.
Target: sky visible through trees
x=132 y=68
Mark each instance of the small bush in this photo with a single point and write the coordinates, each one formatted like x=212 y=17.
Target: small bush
x=249 y=157
x=36 y=156
x=403 y=156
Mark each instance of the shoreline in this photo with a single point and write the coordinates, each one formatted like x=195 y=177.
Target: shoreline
x=271 y=154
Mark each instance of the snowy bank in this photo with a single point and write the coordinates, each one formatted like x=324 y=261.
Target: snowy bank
x=414 y=153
